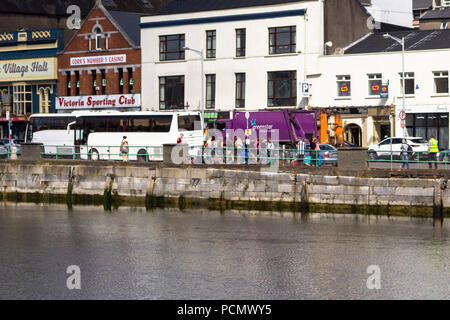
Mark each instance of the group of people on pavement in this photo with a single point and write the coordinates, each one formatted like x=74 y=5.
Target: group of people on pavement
x=433 y=150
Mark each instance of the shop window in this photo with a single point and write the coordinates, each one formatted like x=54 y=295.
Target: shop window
x=375 y=83
x=210 y=91
x=22 y=99
x=282 y=88
x=211 y=44
x=282 y=40
x=171 y=47
x=344 y=86
x=409 y=83
x=440 y=82
x=240 y=42
x=171 y=92
x=425 y=125
x=240 y=90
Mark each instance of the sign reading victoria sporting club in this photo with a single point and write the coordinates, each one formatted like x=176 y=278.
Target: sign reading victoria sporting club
x=28 y=69
x=99 y=102
x=83 y=61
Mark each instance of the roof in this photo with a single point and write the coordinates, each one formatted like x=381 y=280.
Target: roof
x=441 y=13
x=414 y=40
x=129 y=22
x=422 y=4
x=59 y=7
x=185 y=6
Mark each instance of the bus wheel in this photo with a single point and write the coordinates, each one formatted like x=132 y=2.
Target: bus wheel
x=94 y=155
x=142 y=156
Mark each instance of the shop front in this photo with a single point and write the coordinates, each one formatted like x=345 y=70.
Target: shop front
x=28 y=77
x=428 y=124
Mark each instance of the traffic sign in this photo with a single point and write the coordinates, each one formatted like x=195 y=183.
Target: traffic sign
x=305 y=89
x=402 y=115
x=247 y=115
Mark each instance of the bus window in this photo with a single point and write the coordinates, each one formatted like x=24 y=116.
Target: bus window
x=187 y=123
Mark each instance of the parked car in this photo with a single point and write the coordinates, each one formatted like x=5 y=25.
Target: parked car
x=14 y=143
x=328 y=154
x=444 y=155
x=3 y=151
x=383 y=149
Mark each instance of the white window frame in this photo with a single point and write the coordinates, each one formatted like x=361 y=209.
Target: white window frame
x=408 y=76
x=344 y=78
x=440 y=75
x=374 y=77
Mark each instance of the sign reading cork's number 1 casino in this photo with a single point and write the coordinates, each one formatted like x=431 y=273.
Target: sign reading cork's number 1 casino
x=83 y=61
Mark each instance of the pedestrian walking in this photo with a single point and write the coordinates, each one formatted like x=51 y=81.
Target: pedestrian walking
x=433 y=150
x=314 y=153
x=300 y=155
x=124 y=149
x=271 y=149
x=404 y=152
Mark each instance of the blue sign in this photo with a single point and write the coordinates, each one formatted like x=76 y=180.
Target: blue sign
x=305 y=90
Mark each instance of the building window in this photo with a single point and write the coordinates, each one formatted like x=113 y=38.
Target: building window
x=440 y=82
x=68 y=83
x=22 y=99
x=130 y=80
x=103 y=84
x=171 y=92
x=171 y=47
x=425 y=125
x=77 y=83
x=211 y=44
x=240 y=90
x=210 y=91
x=409 y=83
x=120 y=81
x=240 y=42
x=282 y=40
x=282 y=88
x=375 y=83
x=98 y=39
x=344 y=86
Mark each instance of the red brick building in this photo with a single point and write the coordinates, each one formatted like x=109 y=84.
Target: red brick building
x=100 y=67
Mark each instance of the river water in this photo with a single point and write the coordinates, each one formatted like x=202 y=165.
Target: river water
x=198 y=254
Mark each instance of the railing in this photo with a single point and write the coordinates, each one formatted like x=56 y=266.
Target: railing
x=414 y=159
x=196 y=154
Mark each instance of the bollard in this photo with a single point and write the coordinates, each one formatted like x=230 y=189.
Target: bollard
x=13 y=152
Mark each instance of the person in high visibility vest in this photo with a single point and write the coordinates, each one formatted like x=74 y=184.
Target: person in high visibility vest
x=433 y=150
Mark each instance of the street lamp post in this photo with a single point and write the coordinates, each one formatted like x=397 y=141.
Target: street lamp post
x=402 y=43
x=200 y=52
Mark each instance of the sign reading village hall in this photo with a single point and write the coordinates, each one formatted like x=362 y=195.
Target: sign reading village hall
x=29 y=69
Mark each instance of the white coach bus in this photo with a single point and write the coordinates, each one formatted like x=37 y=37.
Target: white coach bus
x=51 y=131
x=99 y=134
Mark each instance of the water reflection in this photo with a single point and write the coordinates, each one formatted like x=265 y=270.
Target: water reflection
x=197 y=254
